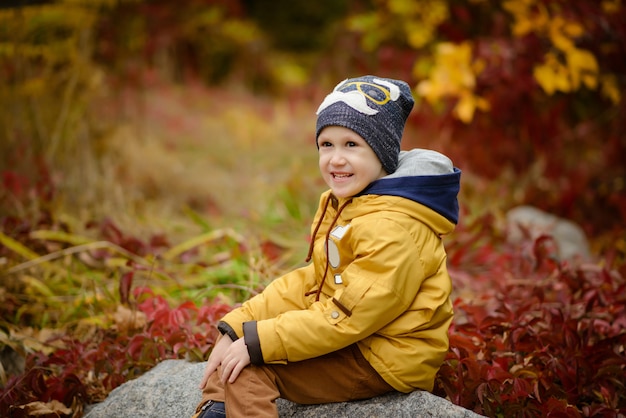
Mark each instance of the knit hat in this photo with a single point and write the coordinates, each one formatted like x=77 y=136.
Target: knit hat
x=375 y=108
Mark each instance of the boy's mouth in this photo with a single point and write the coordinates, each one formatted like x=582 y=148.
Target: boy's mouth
x=341 y=175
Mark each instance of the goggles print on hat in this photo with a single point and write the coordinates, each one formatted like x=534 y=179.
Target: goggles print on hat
x=356 y=94
x=375 y=108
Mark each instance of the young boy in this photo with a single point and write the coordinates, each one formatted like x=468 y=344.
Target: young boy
x=370 y=314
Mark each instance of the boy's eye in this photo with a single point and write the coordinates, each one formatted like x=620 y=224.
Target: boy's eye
x=325 y=144
x=351 y=144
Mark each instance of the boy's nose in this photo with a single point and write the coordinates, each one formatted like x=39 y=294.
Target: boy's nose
x=337 y=158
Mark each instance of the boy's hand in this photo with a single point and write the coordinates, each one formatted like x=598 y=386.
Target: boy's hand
x=235 y=359
x=216 y=358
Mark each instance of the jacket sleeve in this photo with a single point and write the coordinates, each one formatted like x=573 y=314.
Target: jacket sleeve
x=382 y=282
x=285 y=293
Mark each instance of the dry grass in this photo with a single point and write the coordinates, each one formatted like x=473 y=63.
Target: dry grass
x=180 y=161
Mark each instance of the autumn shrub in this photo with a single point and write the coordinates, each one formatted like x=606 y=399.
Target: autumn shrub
x=85 y=315
x=533 y=335
x=83 y=370
x=539 y=337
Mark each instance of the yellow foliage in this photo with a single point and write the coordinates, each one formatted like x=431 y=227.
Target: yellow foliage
x=529 y=17
x=417 y=34
x=467 y=105
x=424 y=17
x=573 y=29
x=582 y=66
x=414 y=21
x=33 y=285
x=17 y=247
x=401 y=7
x=289 y=73
x=551 y=75
x=611 y=6
x=559 y=36
x=568 y=68
x=362 y=22
x=610 y=90
x=454 y=75
x=365 y=23
x=240 y=31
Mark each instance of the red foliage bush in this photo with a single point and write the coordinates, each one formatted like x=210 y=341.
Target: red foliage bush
x=85 y=371
x=540 y=338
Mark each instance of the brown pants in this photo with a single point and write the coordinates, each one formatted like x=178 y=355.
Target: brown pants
x=343 y=375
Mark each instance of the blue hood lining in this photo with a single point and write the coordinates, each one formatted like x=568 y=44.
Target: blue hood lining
x=437 y=192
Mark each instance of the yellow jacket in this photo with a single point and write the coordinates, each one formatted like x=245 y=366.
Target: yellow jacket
x=385 y=286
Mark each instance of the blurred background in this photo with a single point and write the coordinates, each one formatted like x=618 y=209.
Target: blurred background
x=145 y=111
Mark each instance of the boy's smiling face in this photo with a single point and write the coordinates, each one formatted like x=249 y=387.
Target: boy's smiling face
x=347 y=163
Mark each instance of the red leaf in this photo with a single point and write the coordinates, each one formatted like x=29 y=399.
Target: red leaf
x=126 y=283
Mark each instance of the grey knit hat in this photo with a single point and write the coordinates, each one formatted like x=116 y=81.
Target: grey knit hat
x=373 y=107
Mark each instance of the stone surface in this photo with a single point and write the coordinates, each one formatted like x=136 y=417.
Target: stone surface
x=569 y=237
x=170 y=390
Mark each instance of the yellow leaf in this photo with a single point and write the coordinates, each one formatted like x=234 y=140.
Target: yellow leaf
x=16 y=247
x=454 y=75
x=428 y=90
x=422 y=67
x=371 y=40
x=582 y=65
x=541 y=20
x=98 y=321
x=363 y=22
x=582 y=60
x=545 y=77
x=467 y=105
x=60 y=236
x=552 y=75
x=45 y=340
x=611 y=6
x=417 y=34
x=573 y=29
x=34 y=284
x=290 y=73
x=53 y=408
x=112 y=262
x=517 y=7
x=478 y=66
x=465 y=108
x=401 y=7
x=590 y=81
x=610 y=90
x=212 y=236
x=129 y=320
x=560 y=41
x=522 y=27
x=240 y=31
x=562 y=79
x=34 y=87
x=528 y=16
x=482 y=103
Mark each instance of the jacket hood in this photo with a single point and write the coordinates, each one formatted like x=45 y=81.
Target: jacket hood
x=426 y=177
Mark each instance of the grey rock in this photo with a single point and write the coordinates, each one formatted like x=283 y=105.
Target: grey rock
x=417 y=404
x=569 y=237
x=170 y=390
